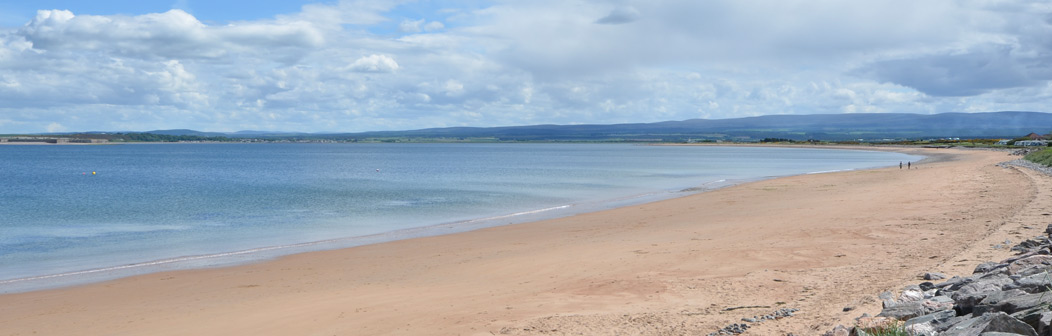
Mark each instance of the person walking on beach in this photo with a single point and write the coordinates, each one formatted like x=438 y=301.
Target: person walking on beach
x=900 y=164
x=908 y=165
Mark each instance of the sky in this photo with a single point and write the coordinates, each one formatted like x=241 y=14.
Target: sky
x=351 y=66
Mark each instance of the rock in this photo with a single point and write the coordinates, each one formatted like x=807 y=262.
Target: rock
x=954 y=283
x=911 y=295
x=1029 y=245
x=732 y=329
x=926 y=286
x=886 y=295
x=933 y=318
x=922 y=329
x=840 y=330
x=1021 y=255
x=971 y=294
x=996 y=301
x=888 y=304
x=996 y=322
x=938 y=303
x=1039 y=320
x=1035 y=283
x=1048 y=230
x=934 y=276
x=903 y=311
x=1030 y=265
x=1014 y=303
x=987 y=267
x=945 y=325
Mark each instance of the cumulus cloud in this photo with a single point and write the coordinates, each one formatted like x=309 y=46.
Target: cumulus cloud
x=357 y=65
x=965 y=74
x=374 y=63
x=172 y=34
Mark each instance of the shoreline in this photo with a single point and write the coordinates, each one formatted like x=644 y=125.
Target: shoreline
x=610 y=276
x=235 y=258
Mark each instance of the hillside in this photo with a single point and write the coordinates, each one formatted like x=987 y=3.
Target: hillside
x=826 y=127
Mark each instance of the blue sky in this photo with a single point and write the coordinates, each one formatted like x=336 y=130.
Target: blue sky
x=17 y=13
x=357 y=65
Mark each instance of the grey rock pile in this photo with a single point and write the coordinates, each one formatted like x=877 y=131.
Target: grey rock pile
x=1027 y=164
x=738 y=328
x=1010 y=297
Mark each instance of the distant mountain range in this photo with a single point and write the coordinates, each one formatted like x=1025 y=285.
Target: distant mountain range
x=867 y=126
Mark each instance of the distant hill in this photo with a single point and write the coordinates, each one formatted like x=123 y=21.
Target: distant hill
x=868 y=126
x=835 y=127
x=188 y=132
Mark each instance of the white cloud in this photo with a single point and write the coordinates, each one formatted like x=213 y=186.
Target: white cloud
x=408 y=26
x=172 y=34
x=374 y=63
x=453 y=88
x=332 y=66
x=416 y=26
x=434 y=26
x=55 y=127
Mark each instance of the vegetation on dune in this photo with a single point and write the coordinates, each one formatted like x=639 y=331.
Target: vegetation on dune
x=1041 y=157
x=152 y=137
x=891 y=329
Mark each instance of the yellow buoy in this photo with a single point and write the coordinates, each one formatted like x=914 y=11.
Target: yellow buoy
x=92 y=173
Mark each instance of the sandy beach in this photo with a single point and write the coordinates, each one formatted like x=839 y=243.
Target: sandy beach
x=825 y=244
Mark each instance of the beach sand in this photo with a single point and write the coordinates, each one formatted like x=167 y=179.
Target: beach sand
x=818 y=243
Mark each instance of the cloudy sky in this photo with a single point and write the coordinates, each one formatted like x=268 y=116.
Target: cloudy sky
x=344 y=66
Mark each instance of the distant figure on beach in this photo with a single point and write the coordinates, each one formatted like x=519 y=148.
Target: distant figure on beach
x=908 y=165
x=900 y=164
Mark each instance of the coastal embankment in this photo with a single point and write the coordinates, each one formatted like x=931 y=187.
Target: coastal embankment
x=821 y=246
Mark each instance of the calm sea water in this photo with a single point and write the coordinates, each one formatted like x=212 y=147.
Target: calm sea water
x=73 y=214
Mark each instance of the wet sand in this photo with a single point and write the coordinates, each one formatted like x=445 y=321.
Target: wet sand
x=818 y=243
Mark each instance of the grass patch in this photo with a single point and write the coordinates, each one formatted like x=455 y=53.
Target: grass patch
x=1043 y=157
x=892 y=329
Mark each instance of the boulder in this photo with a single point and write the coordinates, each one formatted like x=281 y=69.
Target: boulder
x=903 y=311
x=1012 y=304
x=921 y=329
x=1040 y=320
x=938 y=303
x=1030 y=265
x=954 y=283
x=1034 y=283
x=911 y=295
x=971 y=294
x=926 y=286
x=933 y=318
x=996 y=301
x=988 y=267
x=996 y=322
x=934 y=276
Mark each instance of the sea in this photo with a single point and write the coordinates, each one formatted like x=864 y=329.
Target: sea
x=86 y=213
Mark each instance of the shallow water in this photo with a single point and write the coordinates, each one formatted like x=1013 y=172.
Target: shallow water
x=73 y=214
